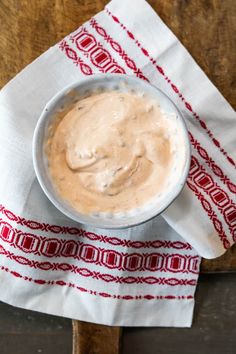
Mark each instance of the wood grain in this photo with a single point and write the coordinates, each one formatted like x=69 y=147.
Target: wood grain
x=214 y=327
x=29 y=332
x=213 y=330
x=90 y=338
x=223 y=264
x=207 y=28
x=28 y=28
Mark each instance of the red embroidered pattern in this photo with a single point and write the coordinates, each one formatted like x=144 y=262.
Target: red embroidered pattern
x=212 y=164
x=220 y=198
x=115 y=241
x=93 y=50
x=92 y=292
x=212 y=215
x=109 y=258
x=174 y=88
x=72 y=55
x=84 y=272
x=131 y=64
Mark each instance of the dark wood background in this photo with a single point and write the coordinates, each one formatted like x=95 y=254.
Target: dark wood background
x=208 y=30
x=213 y=330
x=206 y=27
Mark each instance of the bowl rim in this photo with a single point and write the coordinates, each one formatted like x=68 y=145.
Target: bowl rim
x=56 y=199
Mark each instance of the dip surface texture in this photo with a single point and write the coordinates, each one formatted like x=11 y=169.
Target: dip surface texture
x=112 y=152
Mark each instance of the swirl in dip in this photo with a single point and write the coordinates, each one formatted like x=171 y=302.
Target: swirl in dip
x=114 y=152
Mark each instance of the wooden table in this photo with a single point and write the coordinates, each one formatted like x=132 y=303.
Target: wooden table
x=213 y=330
x=207 y=28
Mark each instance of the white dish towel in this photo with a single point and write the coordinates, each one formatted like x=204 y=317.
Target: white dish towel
x=144 y=276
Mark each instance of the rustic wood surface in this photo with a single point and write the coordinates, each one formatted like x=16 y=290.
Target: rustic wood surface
x=206 y=27
x=29 y=332
x=213 y=330
x=95 y=339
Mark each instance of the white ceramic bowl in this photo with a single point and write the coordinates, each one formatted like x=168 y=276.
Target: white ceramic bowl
x=64 y=98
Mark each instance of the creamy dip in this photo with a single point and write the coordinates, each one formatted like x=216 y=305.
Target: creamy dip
x=113 y=152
